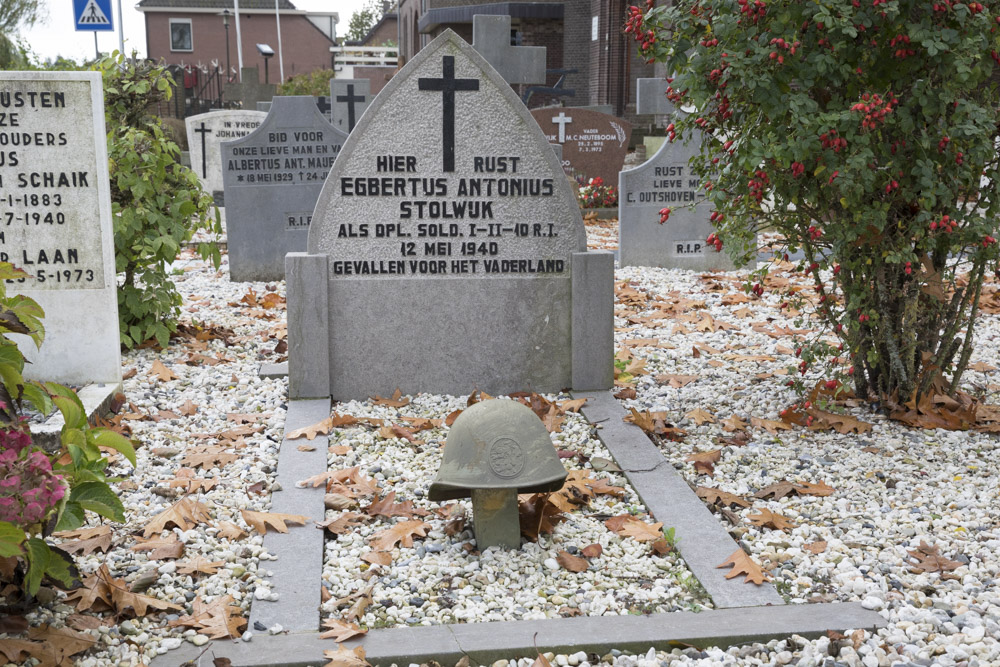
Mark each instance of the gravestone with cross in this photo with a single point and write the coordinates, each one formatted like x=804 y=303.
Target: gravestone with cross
x=324 y=106
x=350 y=99
x=460 y=225
x=250 y=90
x=516 y=64
x=272 y=179
x=206 y=131
x=594 y=144
x=56 y=201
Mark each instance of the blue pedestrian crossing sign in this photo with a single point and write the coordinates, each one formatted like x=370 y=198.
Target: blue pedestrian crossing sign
x=91 y=15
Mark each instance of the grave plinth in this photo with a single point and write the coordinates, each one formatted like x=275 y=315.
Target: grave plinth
x=447 y=251
x=495 y=450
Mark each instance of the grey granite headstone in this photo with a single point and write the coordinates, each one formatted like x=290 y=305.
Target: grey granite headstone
x=56 y=199
x=651 y=97
x=206 y=131
x=264 y=106
x=666 y=181
x=594 y=144
x=250 y=90
x=350 y=98
x=450 y=248
x=325 y=109
x=516 y=64
x=272 y=179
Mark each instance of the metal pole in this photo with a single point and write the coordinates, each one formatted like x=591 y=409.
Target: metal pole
x=121 y=29
x=239 y=41
x=97 y=51
x=281 y=58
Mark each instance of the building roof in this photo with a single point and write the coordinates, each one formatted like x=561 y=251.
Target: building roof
x=213 y=4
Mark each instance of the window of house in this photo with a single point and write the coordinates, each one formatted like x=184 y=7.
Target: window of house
x=180 y=35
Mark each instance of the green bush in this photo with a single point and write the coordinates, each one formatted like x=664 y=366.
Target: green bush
x=865 y=133
x=157 y=203
x=39 y=494
x=315 y=83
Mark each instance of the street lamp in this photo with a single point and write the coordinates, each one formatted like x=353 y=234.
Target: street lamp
x=267 y=52
x=225 y=22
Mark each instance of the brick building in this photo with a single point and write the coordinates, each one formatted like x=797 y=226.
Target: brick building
x=190 y=32
x=581 y=35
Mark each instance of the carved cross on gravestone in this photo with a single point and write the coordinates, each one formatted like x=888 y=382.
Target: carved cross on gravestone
x=350 y=99
x=516 y=64
x=562 y=120
x=251 y=90
x=204 y=154
x=323 y=104
x=448 y=85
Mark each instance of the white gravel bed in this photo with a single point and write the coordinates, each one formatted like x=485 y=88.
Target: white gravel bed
x=438 y=580
x=217 y=388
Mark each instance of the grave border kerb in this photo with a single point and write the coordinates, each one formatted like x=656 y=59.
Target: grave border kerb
x=736 y=622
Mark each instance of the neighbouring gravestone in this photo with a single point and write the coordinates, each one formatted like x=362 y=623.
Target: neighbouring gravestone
x=264 y=106
x=447 y=251
x=55 y=202
x=516 y=64
x=350 y=99
x=325 y=109
x=272 y=179
x=249 y=91
x=651 y=97
x=206 y=131
x=666 y=181
x=594 y=144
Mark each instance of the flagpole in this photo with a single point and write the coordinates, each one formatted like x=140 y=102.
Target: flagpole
x=239 y=41
x=281 y=58
x=121 y=28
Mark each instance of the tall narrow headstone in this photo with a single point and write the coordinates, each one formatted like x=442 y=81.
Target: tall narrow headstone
x=206 y=131
x=250 y=90
x=350 y=98
x=666 y=181
x=272 y=179
x=55 y=201
x=594 y=144
x=516 y=64
x=447 y=251
x=651 y=97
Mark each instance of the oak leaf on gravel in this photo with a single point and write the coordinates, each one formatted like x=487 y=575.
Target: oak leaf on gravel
x=230 y=531
x=86 y=541
x=720 y=498
x=734 y=423
x=537 y=514
x=772 y=426
x=160 y=547
x=769 y=519
x=342 y=524
x=388 y=508
x=627 y=525
x=345 y=657
x=401 y=533
x=928 y=559
x=219 y=619
x=186 y=513
x=705 y=461
x=700 y=416
x=199 y=565
x=743 y=564
x=572 y=563
x=212 y=456
x=161 y=372
x=276 y=520
x=339 y=631
x=397 y=400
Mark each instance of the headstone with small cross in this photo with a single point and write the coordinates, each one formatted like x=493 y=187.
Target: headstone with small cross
x=324 y=106
x=594 y=144
x=272 y=179
x=205 y=132
x=462 y=231
x=516 y=64
x=250 y=90
x=350 y=99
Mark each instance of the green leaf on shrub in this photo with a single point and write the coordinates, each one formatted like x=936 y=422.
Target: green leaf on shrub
x=11 y=538
x=72 y=517
x=42 y=561
x=115 y=441
x=98 y=497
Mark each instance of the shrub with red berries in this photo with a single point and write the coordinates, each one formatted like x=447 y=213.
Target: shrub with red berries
x=865 y=133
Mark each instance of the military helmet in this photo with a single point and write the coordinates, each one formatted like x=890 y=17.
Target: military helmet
x=497 y=444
